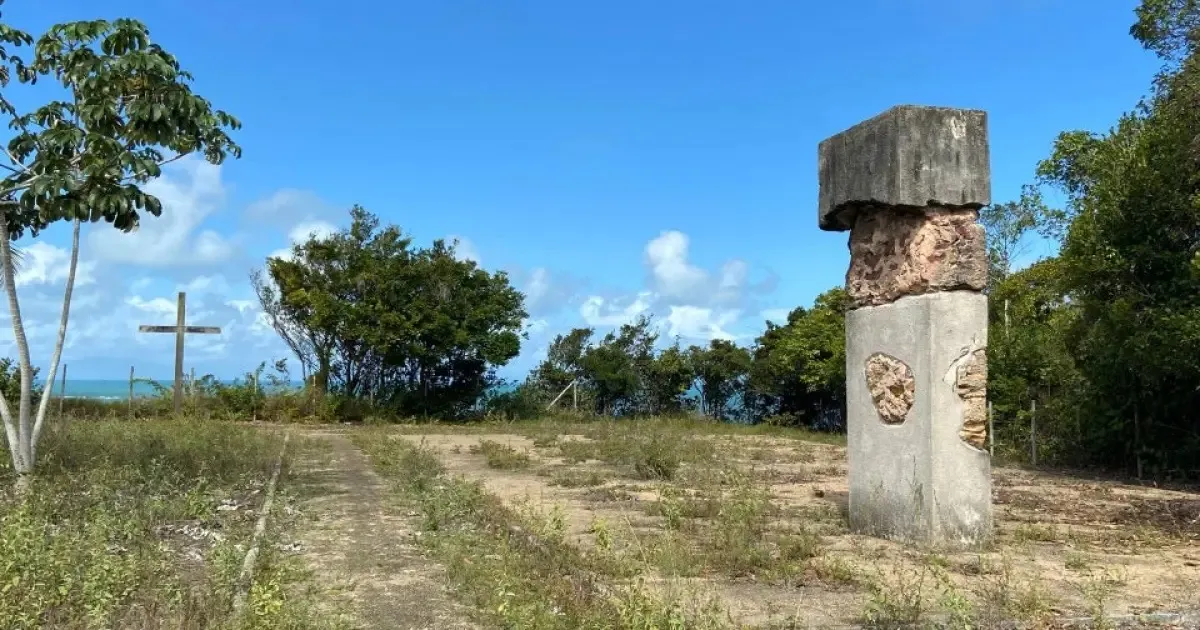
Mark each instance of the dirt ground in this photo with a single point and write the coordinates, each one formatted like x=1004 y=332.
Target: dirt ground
x=1071 y=546
x=361 y=550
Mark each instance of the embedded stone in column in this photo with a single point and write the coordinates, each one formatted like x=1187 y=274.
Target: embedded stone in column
x=971 y=385
x=892 y=387
x=899 y=253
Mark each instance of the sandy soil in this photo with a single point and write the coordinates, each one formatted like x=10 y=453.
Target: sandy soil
x=361 y=551
x=1074 y=541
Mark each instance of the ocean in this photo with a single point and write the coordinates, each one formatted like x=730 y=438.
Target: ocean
x=109 y=389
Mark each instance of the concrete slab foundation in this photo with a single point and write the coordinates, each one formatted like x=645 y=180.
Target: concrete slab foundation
x=916 y=385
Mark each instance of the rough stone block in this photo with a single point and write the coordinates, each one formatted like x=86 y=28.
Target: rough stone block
x=907 y=156
x=897 y=253
x=924 y=477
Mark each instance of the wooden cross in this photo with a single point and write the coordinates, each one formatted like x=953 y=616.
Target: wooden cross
x=180 y=329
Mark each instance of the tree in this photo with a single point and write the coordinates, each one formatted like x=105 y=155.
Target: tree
x=721 y=370
x=799 y=369
x=294 y=336
x=1169 y=28
x=669 y=376
x=617 y=369
x=126 y=108
x=1127 y=259
x=1029 y=360
x=562 y=365
x=411 y=328
x=1008 y=224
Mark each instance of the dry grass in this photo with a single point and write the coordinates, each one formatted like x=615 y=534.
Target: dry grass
x=749 y=527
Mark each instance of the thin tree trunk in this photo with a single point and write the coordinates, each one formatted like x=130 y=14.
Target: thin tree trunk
x=10 y=432
x=23 y=465
x=58 y=344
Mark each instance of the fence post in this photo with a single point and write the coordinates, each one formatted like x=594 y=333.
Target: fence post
x=254 y=399
x=192 y=385
x=131 y=392
x=991 y=431
x=575 y=395
x=1033 y=432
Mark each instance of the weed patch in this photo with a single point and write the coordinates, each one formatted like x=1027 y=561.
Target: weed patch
x=571 y=478
x=513 y=564
x=142 y=525
x=501 y=456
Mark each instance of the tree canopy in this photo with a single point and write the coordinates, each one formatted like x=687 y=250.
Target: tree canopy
x=413 y=329
x=124 y=107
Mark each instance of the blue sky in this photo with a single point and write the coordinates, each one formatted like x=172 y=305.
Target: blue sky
x=614 y=157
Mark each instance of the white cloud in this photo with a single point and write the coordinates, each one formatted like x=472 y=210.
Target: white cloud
x=598 y=312
x=206 y=284
x=672 y=274
x=190 y=191
x=43 y=263
x=157 y=306
x=305 y=230
x=288 y=206
x=538 y=285
x=700 y=323
x=464 y=249
x=242 y=306
x=687 y=301
x=536 y=326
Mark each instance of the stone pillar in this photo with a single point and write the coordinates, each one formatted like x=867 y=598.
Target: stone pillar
x=908 y=185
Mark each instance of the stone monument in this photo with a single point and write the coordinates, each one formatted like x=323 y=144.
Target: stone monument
x=908 y=185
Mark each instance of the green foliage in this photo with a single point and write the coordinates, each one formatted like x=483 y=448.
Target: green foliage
x=10 y=379
x=799 y=369
x=669 y=376
x=1007 y=225
x=1126 y=265
x=1169 y=28
x=518 y=403
x=721 y=371
x=795 y=371
x=123 y=528
x=410 y=329
x=617 y=370
x=125 y=101
x=124 y=107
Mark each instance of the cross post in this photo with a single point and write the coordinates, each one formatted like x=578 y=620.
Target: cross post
x=180 y=329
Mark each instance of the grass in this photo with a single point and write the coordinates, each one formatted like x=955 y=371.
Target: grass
x=501 y=456
x=514 y=565
x=571 y=478
x=144 y=525
x=741 y=513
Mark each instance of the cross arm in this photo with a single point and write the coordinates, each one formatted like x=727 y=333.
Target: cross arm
x=196 y=330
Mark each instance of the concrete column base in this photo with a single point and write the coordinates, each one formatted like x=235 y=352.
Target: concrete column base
x=916 y=418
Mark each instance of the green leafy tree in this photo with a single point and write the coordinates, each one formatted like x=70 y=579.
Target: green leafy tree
x=124 y=108
x=799 y=369
x=721 y=370
x=1029 y=360
x=414 y=329
x=1127 y=259
x=670 y=375
x=617 y=368
x=1169 y=28
x=1008 y=224
x=562 y=366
